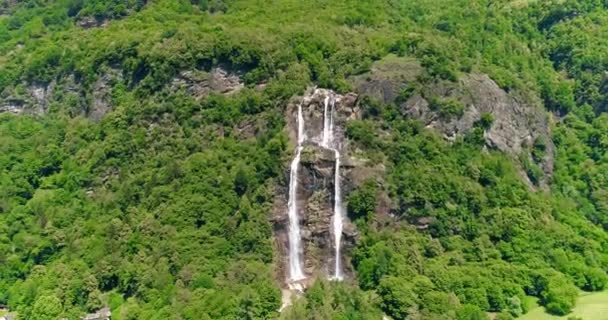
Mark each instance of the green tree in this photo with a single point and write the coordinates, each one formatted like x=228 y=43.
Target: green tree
x=46 y=307
x=398 y=297
x=471 y=312
x=362 y=201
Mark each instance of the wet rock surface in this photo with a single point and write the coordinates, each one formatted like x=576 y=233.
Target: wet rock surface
x=316 y=188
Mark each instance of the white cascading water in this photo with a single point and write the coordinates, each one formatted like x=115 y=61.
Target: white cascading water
x=327 y=118
x=327 y=142
x=295 y=241
x=337 y=220
x=296 y=273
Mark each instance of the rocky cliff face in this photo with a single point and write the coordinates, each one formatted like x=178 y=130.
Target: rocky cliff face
x=101 y=102
x=519 y=123
x=32 y=98
x=66 y=93
x=200 y=84
x=88 y=22
x=316 y=184
x=70 y=94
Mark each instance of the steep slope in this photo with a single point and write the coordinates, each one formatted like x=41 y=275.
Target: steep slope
x=146 y=152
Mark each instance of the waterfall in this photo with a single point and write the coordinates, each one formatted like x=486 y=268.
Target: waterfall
x=337 y=219
x=295 y=240
x=331 y=120
x=301 y=133
x=327 y=116
x=327 y=142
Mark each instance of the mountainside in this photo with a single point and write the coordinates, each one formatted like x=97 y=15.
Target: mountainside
x=309 y=159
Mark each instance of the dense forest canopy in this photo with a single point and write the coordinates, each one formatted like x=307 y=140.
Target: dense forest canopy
x=160 y=209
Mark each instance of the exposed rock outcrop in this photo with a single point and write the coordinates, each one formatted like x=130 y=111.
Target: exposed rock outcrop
x=200 y=84
x=95 y=100
x=518 y=122
x=102 y=93
x=102 y=314
x=387 y=78
x=88 y=22
x=33 y=98
x=12 y=105
x=67 y=93
x=6 y=6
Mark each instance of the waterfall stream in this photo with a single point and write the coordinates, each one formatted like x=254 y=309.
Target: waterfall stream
x=337 y=219
x=295 y=238
x=327 y=141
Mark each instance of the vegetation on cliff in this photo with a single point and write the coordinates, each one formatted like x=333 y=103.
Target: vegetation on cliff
x=161 y=209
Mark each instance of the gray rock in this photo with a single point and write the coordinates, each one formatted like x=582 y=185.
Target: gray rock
x=101 y=102
x=518 y=121
x=200 y=84
x=102 y=314
x=34 y=100
x=38 y=98
x=91 y=22
x=15 y=106
x=387 y=78
x=40 y=94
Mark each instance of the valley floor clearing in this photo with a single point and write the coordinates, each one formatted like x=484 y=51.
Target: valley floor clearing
x=589 y=306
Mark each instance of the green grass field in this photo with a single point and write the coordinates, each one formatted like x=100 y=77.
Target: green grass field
x=589 y=306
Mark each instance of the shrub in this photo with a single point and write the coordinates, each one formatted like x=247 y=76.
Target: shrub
x=447 y=107
x=362 y=131
x=559 y=295
x=362 y=201
x=471 y=312
x=486 y=121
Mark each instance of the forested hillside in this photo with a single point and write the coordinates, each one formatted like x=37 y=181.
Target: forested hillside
x=144 y=145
